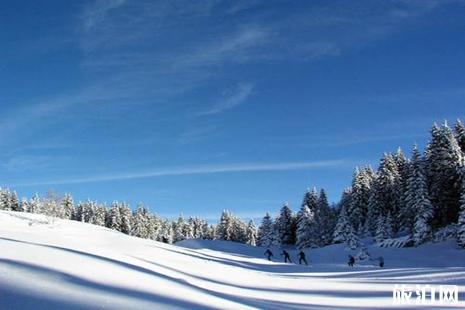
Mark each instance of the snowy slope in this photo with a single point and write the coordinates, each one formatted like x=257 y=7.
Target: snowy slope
x=59 y=264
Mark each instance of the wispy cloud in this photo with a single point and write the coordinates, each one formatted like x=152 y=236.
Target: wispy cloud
x=233 y=47
x=197 y=133
x=96 y=13
x=195 y=170
x=230 y=99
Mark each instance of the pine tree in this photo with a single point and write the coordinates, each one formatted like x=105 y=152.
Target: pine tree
x=67 y=205
x=251 y=233
x=305 y=238
x=343 y=218
x=325 y=221
x=35 y=204
x=114 y=217
x=125 y=214
x=87 y=211
x=265 y=231
x=14 y=202
x=224 y=229
x=444 y=158
x=140 y=222
x=418 y=210
x=459 y=131
x=382 y=232
x=311 y=199
x=403 y=169
x=351 y=237
x=285 y=226
x=50 y=205
x=99 y=215
x=385 y=193
x=461 y=221
x=361 y=185
x=178 y=228
x=5 y=199
x=239 y=232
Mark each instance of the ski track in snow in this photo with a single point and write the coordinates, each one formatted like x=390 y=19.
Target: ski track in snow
x=58 y=264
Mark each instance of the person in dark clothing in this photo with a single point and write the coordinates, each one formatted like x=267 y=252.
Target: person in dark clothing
x=286 y=256
x=302 y=258
x=268 y=253
x=381 y=261
x=351 y=261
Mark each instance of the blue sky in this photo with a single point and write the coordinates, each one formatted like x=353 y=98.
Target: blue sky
x=197 y=106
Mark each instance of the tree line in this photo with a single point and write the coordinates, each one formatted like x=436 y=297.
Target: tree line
x=414 y=198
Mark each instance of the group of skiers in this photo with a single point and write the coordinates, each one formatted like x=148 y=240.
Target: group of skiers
x=287 y=257
x=302 y=259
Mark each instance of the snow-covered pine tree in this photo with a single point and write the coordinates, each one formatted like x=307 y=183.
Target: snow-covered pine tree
x=87 y=211
x=325 y=220
x=461 y=220
x=443 y=158
x=5 y=199
x=35 y=204
x=403 y=168
x=361 y=185
x=384 y=194
x=14 y=201
x=381 y=229
x=418 y=209
x=251 y=233
x=126 y=215
x=285 y=226
x=459 y=131
x=166 y=232
x=187 y=230
x=140 y=222
x=211 y=232
x=67 y=205
x=305 y=237
x=265 y=231
x=343 y=218
x=206 y=234
x=224 y=229
x=50 y=205
x=77 y=214
x=351 y=237
x=114 y=217
x=311 y=199
x=178 y=228
x=154 y=227
x=100 y=213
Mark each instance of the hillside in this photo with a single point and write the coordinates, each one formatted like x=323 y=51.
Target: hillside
x=48 y=263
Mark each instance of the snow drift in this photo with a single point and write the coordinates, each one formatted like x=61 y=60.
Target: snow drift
x=46 y=263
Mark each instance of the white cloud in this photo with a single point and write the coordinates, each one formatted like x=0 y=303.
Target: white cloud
x=196 y=170
x=230 y=100
x=96 y=13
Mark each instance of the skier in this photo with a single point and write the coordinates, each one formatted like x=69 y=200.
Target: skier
x=286 y=256
x=381 y=261
x=351 y=261
x=302 y=258
x=268 y=253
